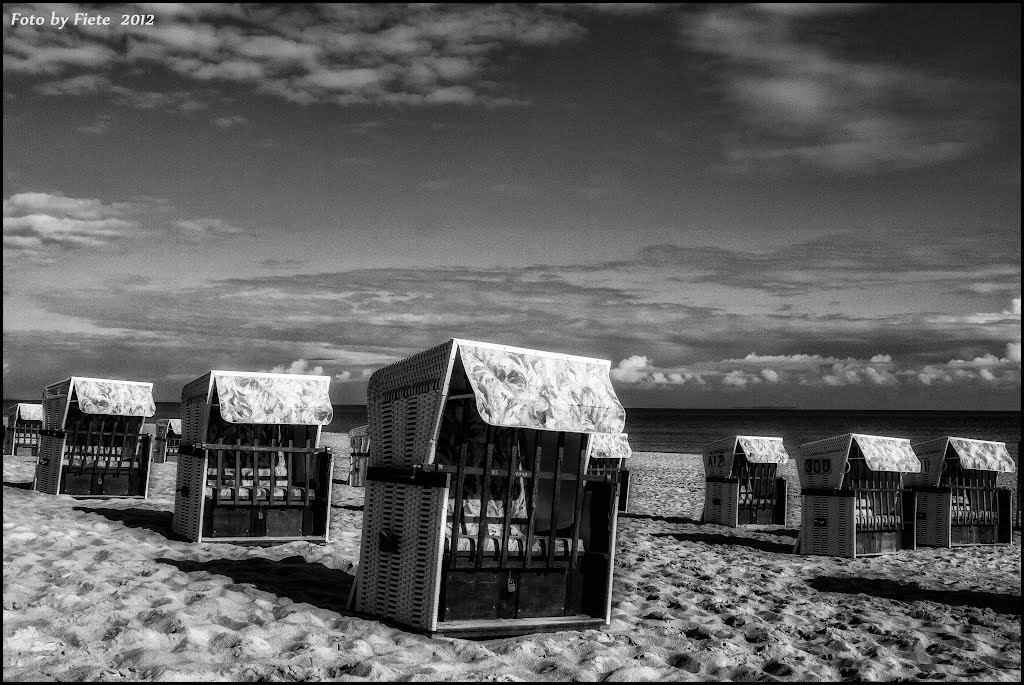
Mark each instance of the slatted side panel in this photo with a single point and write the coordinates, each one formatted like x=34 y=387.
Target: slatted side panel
x=718 y=457
x=402 y=406
x=51 y=452
x=401 y=585
x=194 y=410
x=188 y=497
x=55 y=402
x=827 y=526
x=821 y=464
x=931 y=454
x=933 y=519
x=720 y=503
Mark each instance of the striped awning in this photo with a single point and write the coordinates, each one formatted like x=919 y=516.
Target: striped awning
x=518 y=388
x=983 y=455
x=760 y=450
x=888 y=454
x=273 y=398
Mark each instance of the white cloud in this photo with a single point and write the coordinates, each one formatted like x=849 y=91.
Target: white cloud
x=299 y=367
x=1013 y=352
x=632 y=370
x=343 y=377
x=770 y=375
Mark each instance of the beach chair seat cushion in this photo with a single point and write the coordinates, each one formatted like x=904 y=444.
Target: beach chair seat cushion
x=516 y=546
x=262 y=492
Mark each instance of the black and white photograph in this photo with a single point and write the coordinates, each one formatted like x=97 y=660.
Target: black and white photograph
x=512 y=342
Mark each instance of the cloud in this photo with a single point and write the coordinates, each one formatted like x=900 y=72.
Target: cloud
x=40 y=226
x=300 y=367
x=229 y=121
x=430 y=55
x=802 y=101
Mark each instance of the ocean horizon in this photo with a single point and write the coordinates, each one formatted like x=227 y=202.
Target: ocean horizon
x=687 y=430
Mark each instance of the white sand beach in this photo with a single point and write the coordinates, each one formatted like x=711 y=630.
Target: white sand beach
x=101 y=590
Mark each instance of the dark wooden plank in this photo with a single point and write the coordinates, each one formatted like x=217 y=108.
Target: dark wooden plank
x=506 y=528
x=485 y=496
x=534 y=495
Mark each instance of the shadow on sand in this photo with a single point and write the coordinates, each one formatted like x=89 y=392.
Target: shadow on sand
x=291 y=577
x=22 y=486
x=156 y=521
x=656 y=517
x=912 y=592
x=719 y=539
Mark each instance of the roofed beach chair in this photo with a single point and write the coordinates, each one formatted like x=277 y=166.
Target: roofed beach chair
x=852 y=497
x=23 y=424
x=167 y=440
x=90 y=444
x=608 y=455
x=480 y=515
x=359 y=441
x=250 y=468
x=740 y=482
x=958 y=502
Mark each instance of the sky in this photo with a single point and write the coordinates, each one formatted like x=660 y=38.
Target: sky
x=793 y=205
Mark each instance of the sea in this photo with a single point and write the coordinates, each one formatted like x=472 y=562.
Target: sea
x=688 y=430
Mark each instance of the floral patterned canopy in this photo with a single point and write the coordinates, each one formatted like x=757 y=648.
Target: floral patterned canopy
x=983 y=455
x=115 y=398
x=888 y=454
x=30 y=412
x=763 y=450
x=518 y=388
x=273 y=398
x=174 y=426
x=609 y=446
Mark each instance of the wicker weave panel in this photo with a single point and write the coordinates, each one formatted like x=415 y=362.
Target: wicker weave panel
x=403 y=407
x=718 y=457
x=51 y=453
x=188 y=497
x=55 y=404
x=401 y=586
x=838 y=538
x=195 y=399
x=821 y=464
x=931 y=453
x=726 y=511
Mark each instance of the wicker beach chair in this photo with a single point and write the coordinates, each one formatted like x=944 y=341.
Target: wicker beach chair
x=359 y=440
x=740 y=482
x=852 y=497
x=167 y=440
x=91 y=443
x=23 y=424
x=250 y=468
x=958 y=502
x=480 y=514
x=610 y=458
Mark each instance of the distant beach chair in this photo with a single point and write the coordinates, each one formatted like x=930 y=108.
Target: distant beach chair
x=480 y=514
x=167 y=440
x=91 y=443
x=852 y=497
x=958 y=502
x=608 y=458
x=740 y=482
x=250 y=468
x=359 y=441
x=24 y=422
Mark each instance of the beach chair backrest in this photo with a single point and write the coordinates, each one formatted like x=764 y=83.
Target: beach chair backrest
x=932 y=454
x=821 y=464
x=718 y=457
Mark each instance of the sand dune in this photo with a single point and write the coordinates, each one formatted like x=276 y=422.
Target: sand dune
x=101 y=590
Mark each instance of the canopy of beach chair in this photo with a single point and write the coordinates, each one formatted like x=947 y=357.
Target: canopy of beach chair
x=983 y=455
x=609 y=446
x=519 y=388
x=887 y=454
x=113 y=397
x=28 y=412
x=272 y=398
x=760 y=450
x=174 y=426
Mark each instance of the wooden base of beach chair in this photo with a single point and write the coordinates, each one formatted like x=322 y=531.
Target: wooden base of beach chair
x=727 y=503
x=941 y=524
x=83 y=483
x=831 y=525
x=207 y=510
